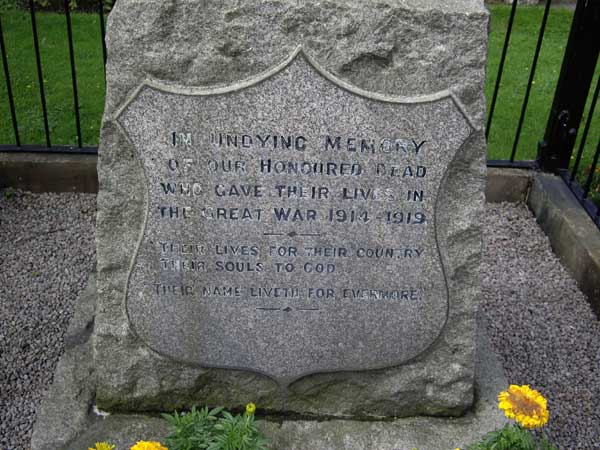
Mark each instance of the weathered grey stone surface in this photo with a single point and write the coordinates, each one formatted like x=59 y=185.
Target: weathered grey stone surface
x=389 y=49
x=67 y=421
x=507 y=185
x=65 y=410
x=253 y=268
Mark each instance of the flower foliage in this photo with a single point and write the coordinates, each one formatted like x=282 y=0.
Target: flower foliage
x=148 y=445
x=525 y=405
x=512 y=437
x=215 y=429
x=102 y=446
x=528 y=408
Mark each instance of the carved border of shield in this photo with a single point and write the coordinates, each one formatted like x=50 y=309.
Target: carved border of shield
x=207 y=91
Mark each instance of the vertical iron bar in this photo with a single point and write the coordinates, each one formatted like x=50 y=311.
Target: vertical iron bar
x=38 y=62
x=538 y=47
x=501 y=67
x=572 y=89
x=588 y=182
x=585 y=131
x=102 y=30
x=11 y=100
x=73 y=73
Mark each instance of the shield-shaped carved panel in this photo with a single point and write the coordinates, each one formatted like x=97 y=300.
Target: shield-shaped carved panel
x=291 y=222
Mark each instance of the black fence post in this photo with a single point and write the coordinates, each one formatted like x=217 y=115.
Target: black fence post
x=11 y=100
x=576 y=75
x=38 y=62
x=73 y=72
x=511 y=20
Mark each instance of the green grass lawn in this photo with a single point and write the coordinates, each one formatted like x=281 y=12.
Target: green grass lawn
x=516 y=74
x=57 y=78
x=54 y=50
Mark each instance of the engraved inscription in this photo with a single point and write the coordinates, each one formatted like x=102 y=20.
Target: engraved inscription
x=290 y=220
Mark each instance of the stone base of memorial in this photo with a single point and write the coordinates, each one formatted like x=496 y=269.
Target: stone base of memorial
x=289 y=212
x=289 y=207
x=68 y=418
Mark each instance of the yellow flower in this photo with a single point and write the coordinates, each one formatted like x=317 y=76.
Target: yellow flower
x=102 y=446
x=148 y=445
x=250 y=408
x=525 y=405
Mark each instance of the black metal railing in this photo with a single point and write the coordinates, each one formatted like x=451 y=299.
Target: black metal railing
x=568 y=108
x=38 y=61
x=492 y=108
x=11 y=99
x=555 y=151
x=538 y=47
x=583 y=192
x=48 y=147
x=73 y=72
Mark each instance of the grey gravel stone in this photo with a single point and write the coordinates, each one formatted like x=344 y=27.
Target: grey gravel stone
x=66 y=407
x=541 y=325
x=46 y=253
x=539 y=322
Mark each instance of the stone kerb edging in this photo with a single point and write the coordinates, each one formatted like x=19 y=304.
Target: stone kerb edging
x=574 y=237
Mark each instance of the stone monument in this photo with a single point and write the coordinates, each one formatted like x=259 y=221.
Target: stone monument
x=289 y=214
x=289 y=206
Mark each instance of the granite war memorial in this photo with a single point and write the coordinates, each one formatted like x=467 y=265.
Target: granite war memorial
x=289 y=207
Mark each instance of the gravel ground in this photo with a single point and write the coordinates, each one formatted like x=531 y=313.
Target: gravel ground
x=46 y=252
x=539 y=321
x=541 y=325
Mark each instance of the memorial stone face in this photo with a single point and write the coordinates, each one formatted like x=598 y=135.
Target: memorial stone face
x=289 y=206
